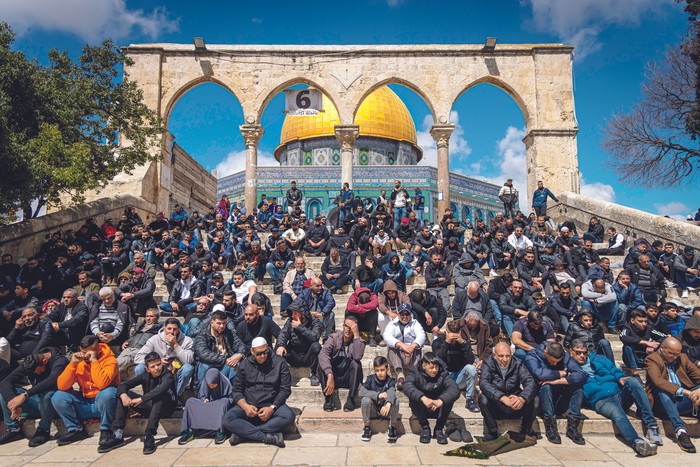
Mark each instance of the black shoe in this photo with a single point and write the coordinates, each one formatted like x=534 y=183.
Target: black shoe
x=149 y=444
x=490 y=436
x=439 y=435
x=391 y=435
x=72 y=437
x=399 y=383
x=275 y=439
x=425 y=435
x=685 y=443
x=466 y=436
x=39 y=438
x=455 y=435
x=11 y=436
x=186 y=437
x=110 y=443
x=313 y=380
x=235 y=439
x=372 y=342
x=572 y=432
x=104 y=436
x=219 y=438
x=550 y=426
x=366 y=434
x=349 y=405
x=472 y=406
x=328 y=405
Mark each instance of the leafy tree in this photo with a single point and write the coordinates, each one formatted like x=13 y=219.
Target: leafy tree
x=61 y=124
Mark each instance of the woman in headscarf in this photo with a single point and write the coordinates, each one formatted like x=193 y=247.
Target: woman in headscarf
x=206 y=411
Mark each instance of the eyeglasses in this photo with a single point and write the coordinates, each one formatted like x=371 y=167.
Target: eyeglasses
x=261 y=353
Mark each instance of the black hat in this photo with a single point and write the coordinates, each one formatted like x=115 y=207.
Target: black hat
x=217 y=275
x=87 y=256
x=688 y=250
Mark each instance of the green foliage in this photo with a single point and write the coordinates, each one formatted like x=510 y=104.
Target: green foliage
x=60 y=125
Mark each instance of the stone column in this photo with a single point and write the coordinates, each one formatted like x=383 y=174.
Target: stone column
x=441 y=134
x=346 y=134
x=552 y=156
x=251 y=135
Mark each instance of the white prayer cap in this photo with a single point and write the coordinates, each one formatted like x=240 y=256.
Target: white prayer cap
x=258 y=341
x=218 y=307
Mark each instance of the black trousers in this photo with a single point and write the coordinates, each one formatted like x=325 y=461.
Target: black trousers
x=337 y=283
x=494 y=411
x=236 y=421
x=422 y=413
x=155 y=409
x=351 y=379
x=297 y=357
x=366 y=322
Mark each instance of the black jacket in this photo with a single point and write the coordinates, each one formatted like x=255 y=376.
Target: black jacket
x=517 y=380
x=456 y=356
x=433 y=306
x=73 y=329
x=329 y=268
x=205 y=347
x=590 y=337
x=28 y=340
x=578 y=255
x=419 y=384
x=459 y=304
x=433 y=273
x=46 y=381
x=264 y=327
x=656 y=276
x=196 y=290
x=262 y=385
x=304 y=335
x=160 y=388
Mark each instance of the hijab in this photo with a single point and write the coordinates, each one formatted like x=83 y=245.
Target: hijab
x=222 y=390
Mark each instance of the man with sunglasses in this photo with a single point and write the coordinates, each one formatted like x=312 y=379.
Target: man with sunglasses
x=611 y=394
x=260 y=390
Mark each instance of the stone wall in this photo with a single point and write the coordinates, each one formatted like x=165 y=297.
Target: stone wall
x=24 y=239
x=192 y=185
x=633 y=223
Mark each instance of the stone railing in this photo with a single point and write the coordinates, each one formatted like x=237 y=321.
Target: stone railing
x=633 y=223
x=24 y=239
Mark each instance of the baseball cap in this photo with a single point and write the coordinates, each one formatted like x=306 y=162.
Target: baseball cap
x=218 y=307
x=137 y=271
x=217 y=275
x=688 y=250
x=87 y=256
x=405 y=308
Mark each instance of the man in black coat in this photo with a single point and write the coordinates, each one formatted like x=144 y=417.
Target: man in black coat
x=69 y=320
x=508 y=390
x=260 y=391
x=218 y=347
x=428 y=311
x=30 y=334
x=138 y=292
x=431 y=393
x=254 y=325
x=41 y=369
x=298 y=340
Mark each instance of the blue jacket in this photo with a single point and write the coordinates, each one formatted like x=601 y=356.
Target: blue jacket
x=395 y=273
x=539 y=197
x=605 y=380
x=326 y=302
x=631 y=296
x=537 y=363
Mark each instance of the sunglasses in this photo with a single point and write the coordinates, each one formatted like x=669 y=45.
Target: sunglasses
x=403 y=313
x=261 y=353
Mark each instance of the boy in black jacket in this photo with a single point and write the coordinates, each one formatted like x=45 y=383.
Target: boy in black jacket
x=379 y=399
x=636 y=340
x=158 y=401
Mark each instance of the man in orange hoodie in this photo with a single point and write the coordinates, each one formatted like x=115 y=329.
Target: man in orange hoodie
x=96 y=371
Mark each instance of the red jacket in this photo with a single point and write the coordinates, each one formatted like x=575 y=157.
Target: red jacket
x=357 y=308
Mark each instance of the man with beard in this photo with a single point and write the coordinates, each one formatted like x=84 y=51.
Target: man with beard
x=69 y=320
x=513 y=305
x=389 y=301
x=30 y=334
x=255 y=325
x=335 y=271
x=298 y=340
x=138 y=292
x=340 y=364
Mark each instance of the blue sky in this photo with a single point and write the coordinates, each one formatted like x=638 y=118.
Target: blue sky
x=614 y=40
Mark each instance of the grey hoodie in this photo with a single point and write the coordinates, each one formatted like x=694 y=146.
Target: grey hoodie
x=158 y=344
x=463 y=274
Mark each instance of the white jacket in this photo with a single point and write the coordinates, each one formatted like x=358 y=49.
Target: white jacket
x=412 y=332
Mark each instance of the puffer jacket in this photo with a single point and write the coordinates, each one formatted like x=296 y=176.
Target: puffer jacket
x=419 y=384
x=590 y=337
x=604 y=382
x=537 y=363
x=205 y=347
x=302 y=336
x=517 y=380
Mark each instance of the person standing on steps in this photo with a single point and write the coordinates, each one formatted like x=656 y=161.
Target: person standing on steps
x=539 y=199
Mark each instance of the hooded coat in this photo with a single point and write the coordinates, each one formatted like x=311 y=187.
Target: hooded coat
x=464 y=273
x=691 y=347
x=302 y=336
x=355 y=307
x=91 y=377
x=590 y=337
x=395 y=272
x=419 y=384
x=385 y=304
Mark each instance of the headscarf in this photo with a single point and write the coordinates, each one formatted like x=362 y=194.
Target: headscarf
x=222 y=390
x=45 y=307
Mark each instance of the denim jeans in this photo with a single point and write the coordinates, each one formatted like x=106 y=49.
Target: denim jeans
x=496 y=312
x=606 y=313
x=465 y=379
x=167 y=308
x=615 y=407
x=275 y=272
x=182 y=377
x=556 y=399
x=508 y=324
x=521 y=354
x=684 y=280
x=375 y=287
x=226 y=371
x=630 y=359
x=399 y=213
x=37 y=406
x=189 y=328
x=73 y=408
x=673 y=407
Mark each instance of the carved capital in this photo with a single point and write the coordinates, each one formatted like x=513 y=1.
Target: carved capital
x=252 y=134
x=441 y=134
x=347 y=134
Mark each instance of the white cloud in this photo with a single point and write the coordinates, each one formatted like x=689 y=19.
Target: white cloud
x=673 y=209
x=579 y=22
x=235 y=162
x=459 y=147
x=598 y=190
x=256 y=20
x=91 y=20
x=394 y=3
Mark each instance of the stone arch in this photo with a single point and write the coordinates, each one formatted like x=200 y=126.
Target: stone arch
x=479 y=214
x=291 y=82
x=503 y=86
x=395 y=80
x=184 y=89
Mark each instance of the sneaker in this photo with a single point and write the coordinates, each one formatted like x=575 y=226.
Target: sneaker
x=110 y=444
x=654 y=436
x=472 y=406
x=72 y=437
x=149 y=444
x=366 y=434
x=39 y=438
x=186 y=437
x=220 y=437
x=440 y=437
x=313 y=380
x=372 y=342
x=490 y=436
x=391 y=435
x=399 y=382
x=684 y=442
x=466 y=436
x=275 y=439
x=493 y=273
x=685 y=293
x=643 y=448
x=235 y=439
x=349 y=405
x=104 y=436
x=11 y=436
x=425 y=435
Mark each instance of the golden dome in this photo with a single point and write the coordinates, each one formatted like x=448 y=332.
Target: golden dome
x=382 y=115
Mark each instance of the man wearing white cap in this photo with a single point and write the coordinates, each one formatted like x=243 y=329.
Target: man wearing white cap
x=260 y=390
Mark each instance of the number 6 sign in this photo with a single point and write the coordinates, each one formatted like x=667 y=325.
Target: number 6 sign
x=303 y=102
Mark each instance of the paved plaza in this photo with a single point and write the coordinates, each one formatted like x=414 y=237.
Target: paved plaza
x=333 y=449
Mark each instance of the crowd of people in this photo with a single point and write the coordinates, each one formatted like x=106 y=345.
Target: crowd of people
x=81 y=315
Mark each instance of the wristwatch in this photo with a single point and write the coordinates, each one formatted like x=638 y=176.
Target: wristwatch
x=273 y=407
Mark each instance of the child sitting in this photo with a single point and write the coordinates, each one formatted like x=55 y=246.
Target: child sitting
x=636 y=340
x=379 y=399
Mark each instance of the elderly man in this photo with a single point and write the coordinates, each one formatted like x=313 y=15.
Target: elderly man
x=335 y=271
x=473 y=298
x=260 y=391
x=611 y=394
x=600 y=297
x=404 y=337
x=109 y=319
x=294 y=281
x=148 y=328
x=673 y=384
x=508 y=390
x=340 y=364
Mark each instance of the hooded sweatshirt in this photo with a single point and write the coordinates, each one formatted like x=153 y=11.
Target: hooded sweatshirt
x=355 y=307
x=91 y=377
x=691 y=347
x=386 y=304
x=395 y=272
x=41 y=383
x=184 y=352
x=466 y=270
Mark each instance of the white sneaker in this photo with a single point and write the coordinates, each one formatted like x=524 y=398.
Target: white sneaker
x=685 y=293
x=671 y=284
x=493 y=273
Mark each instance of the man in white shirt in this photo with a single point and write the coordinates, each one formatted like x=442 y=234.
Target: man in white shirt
x=295 y=237
x=520 y=242
x=404 y=337
x=244 y=289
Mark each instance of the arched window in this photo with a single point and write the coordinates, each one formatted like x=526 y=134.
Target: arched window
x=489 y=216
x=313 y=208
x=455 y=210
x=466 y=214
x=480 y=214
